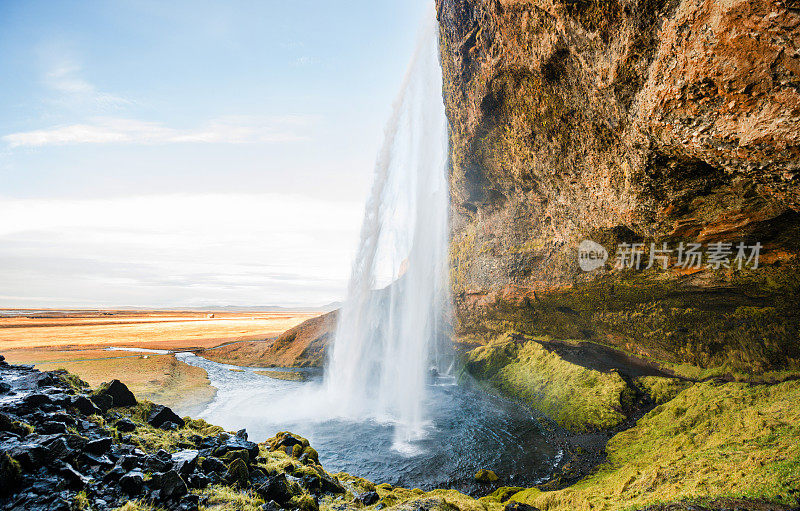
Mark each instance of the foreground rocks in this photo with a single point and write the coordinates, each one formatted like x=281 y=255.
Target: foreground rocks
x=64 y=447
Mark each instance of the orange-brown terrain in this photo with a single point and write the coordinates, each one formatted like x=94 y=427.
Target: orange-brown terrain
x=78 y=341
x=301 y=346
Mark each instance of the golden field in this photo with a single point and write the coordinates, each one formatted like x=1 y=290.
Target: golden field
x=77 y=341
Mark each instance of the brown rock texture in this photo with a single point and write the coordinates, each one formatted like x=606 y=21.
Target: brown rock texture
x=645 y=121
x=301 y=346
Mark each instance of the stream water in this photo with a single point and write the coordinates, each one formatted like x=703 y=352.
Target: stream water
x=467 y=430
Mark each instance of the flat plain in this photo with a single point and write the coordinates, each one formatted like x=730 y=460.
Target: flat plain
x=79 y=340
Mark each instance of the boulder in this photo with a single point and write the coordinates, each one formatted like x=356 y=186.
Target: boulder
x=161 y=414
x=95 y=461
x=103 y=401
x=485 y=476
x=278 y=488
x=59 y=449
x=118 y=392
x=198 y=481
x=368 y=498
x=99 y=446
x=236 y=444
x=169 y=485
x=37 y=399
x=240 y=454
x=129 y=461
x=132 y=482
x=237 y=473
x=30 y=455
x=212 y=465
x=13 y=426
x=9 y=474
x=85 y=406
x=52 y=428
x=125 y=425
x=185 y=461
x=73 y=478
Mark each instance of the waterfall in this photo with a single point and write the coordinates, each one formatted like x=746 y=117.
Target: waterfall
x=392 y=330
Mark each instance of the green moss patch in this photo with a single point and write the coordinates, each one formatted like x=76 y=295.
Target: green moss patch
x=732 y=440
x=662 y=389
x=575 y=397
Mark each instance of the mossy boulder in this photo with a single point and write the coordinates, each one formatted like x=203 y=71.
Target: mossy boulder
x=238 y=474
x=14 y=426
x=295 y=446
x=485 y=476
x=575 y=397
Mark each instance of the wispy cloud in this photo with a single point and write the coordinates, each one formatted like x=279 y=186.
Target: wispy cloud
x=66 y=79
x=228 y=130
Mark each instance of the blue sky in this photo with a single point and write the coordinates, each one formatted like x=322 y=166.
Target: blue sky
x=190 y=153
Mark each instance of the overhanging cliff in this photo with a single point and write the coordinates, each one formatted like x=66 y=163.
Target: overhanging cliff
x=626 y=121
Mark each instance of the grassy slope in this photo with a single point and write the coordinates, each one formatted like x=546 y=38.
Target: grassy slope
x=575 y=397
x=712 y=440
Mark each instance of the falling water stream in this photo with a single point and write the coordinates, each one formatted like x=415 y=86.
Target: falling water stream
x=388 y=407
x=394 y=317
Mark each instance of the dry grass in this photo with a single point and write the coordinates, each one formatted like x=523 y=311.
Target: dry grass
x=77 y=342
x=156 y=330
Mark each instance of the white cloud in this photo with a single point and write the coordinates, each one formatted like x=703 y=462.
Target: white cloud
x=164 y=250
x=229 y=130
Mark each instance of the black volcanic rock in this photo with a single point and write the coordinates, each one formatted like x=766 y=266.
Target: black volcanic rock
x=74 y=479
x=161 y=414
x=169 y=485
x=132 y=483
x=103 y=401
x=185 y=461
x=125 y=425
x=118 y=392
x=368 y=498
x=99 y=446
x=85 y=405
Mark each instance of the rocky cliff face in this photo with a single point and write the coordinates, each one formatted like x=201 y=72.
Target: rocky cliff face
x=626 y=121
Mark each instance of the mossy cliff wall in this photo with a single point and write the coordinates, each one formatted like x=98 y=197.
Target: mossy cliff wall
x=645 y=121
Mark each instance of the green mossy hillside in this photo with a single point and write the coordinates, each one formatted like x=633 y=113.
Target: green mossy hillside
x=731 y=440
x=575 y=397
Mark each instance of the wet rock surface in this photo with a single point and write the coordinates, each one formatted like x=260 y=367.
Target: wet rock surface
x=61 y=444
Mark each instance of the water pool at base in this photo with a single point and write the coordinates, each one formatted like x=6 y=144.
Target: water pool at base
x=468 y=430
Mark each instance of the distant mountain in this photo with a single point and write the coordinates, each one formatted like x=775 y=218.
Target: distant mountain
x=256 y=308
